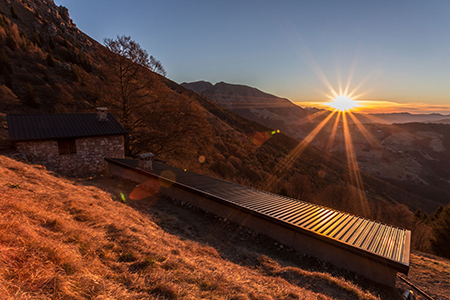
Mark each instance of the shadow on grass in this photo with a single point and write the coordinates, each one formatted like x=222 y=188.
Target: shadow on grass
x=243 y=246
x=250 y=249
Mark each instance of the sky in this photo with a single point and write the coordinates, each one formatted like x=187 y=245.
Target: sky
x=391 y=56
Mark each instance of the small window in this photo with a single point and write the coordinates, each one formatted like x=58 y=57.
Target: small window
x=67 y=146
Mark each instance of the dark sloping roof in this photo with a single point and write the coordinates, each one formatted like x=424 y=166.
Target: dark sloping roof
x=28 y=127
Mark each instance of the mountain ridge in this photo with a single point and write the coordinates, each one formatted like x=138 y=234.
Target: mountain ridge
x=252 y=103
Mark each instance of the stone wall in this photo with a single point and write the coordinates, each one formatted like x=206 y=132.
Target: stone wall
x=87 y=161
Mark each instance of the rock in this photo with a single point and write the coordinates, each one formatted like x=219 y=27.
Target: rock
x=19 y=156
x=52 y=30
x=408 y=295
x=64 y=13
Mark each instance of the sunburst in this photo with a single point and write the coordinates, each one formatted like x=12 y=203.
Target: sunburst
x=343 y=103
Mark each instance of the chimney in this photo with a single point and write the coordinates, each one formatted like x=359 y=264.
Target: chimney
x=102 y=113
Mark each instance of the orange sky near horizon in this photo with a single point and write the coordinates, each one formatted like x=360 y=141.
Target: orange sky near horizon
x=373 y=107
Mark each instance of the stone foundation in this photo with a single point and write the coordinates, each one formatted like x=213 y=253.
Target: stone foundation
x=87 y=161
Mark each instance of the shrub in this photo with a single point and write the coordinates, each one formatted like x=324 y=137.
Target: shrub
x=85 y=63
x=9 y=99
x=228 y=170
x=441 y=233
x=50 y=60
x=22 y=34
x=165 y=289
x=11 y=43
x=74 y=72
x=35 y=39
x=127 y=257
x=299 y=186
x=8 y=81
x=421 y=237
x=236 y=162
x=13 y=13
x=252 y=174
x=30 y=98
x=221 y=147
x=5 y=66
x=51 y=43
x=33 y=79
x=231 y=147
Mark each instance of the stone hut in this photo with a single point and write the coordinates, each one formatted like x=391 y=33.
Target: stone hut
x=72 y=144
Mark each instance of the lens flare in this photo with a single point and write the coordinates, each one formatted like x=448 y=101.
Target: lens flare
x=123 y=198
x=168 y=175
x=145 y=189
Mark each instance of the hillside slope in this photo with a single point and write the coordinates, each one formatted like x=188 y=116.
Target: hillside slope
x=249 y=102
x=414 y=157
x=70 y=240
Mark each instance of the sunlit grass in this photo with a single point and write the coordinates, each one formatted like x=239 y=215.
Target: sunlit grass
x=65 y=239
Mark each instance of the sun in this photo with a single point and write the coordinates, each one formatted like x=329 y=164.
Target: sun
x=343 y=103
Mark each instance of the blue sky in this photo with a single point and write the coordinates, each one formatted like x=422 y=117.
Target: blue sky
x=395 y=51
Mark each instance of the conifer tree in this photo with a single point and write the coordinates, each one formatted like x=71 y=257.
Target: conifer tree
x=11 y=42
x=50 y=60
x=5 y=65
x=31 y=99
x=441 y=233
x=51 y=43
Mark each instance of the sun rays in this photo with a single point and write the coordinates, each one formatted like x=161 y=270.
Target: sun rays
x=338 y=118
x=339 y=121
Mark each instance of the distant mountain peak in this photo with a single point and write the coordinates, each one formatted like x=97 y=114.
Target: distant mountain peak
x=198 y=86
x=252 y=103
x=207 y=88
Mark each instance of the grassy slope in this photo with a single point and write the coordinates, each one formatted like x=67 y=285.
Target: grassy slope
x=68 y=239
x=431 y=274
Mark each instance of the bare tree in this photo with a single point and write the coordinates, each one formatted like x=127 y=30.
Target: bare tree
x=131 y=65
x=156 y=118
x=176 y=122
x=299 y=186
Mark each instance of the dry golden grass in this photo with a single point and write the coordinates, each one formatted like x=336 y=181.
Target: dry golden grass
x=64 y=239
x=431 y=274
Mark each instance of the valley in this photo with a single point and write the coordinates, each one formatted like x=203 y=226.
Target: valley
x=410 y=153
